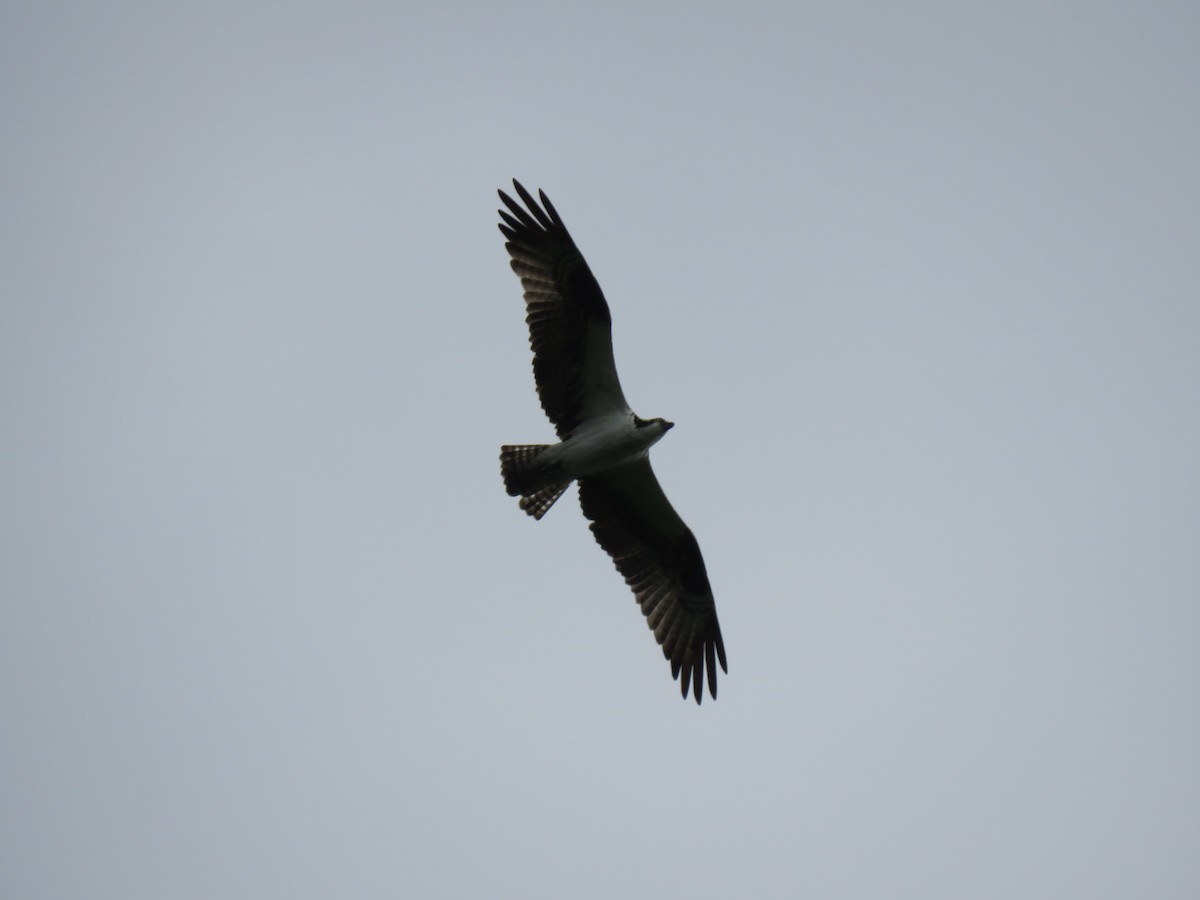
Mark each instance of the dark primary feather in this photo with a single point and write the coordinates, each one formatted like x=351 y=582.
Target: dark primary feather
x=570 y=329
x=660 y=559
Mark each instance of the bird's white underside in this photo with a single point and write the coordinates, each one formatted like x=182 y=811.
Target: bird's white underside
x=603 y=442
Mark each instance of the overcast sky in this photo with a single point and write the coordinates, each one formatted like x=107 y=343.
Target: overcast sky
x=919 y=285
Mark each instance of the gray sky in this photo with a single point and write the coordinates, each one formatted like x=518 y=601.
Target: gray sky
x=918 y=284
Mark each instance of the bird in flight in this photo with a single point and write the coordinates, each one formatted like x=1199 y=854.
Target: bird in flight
x=603 y=444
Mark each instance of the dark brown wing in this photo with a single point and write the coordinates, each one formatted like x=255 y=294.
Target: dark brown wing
x=570 y=329
x=660 y=559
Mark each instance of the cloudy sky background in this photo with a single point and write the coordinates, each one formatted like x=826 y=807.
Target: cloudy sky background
x=918 y=283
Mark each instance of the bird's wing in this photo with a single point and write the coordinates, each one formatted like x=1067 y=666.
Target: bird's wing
x=660 y=559
x=570 y=329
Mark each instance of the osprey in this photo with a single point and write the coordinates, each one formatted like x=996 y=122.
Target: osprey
x=603 y=445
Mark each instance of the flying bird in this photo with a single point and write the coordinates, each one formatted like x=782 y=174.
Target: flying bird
x=603 y=444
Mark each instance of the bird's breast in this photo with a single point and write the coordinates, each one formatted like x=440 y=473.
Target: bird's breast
x=603 y=445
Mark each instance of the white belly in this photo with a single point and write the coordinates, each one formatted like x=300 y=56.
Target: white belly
x=601 y=444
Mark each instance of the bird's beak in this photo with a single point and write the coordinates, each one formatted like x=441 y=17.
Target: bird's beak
x=667 y=426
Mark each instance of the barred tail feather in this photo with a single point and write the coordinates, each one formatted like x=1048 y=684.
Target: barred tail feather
x=538 y=503
x=519 y=466
x=537 y=486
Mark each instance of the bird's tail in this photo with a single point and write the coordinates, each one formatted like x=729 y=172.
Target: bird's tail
x=537 y=485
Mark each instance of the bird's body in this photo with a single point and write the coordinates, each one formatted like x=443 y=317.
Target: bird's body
x=603 y=445
x=603 y=442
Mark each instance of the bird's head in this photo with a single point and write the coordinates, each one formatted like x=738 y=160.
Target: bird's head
x=655 y=427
